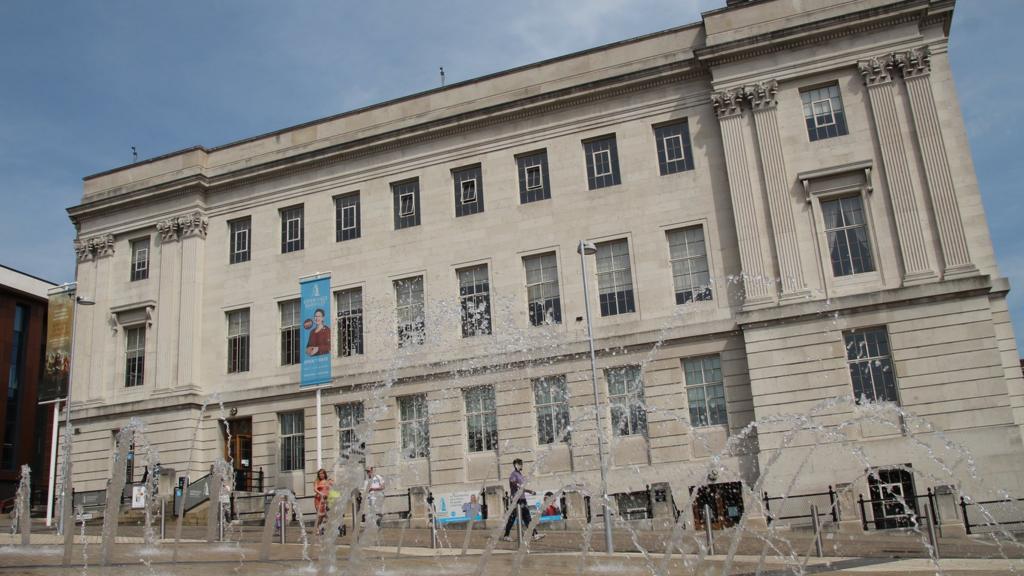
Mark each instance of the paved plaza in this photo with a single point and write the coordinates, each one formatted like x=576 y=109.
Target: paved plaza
x=549 y=557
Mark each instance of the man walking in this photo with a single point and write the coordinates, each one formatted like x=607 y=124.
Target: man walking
x=516 y=482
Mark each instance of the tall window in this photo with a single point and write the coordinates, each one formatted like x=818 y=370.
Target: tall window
x=241 y=237
x=481 y=418
x=14 y=376
x=238 y=341
x=346 y=217
x=551 y=399
x=350 y=445
x=290 y=322
x=350 y=321
x=823 y=112
x=412 y=413
x=409 y=300
x=543 y=299
x=626 y=398
x=135 y=355
x=614 y=278
x=674 y=153
x=533 y=177
x=848 y=244
x=292 y=229
x=602 y=162
x=870 y=362
x=407 y=203
x=475 y=297
x=469 y=190
x=293 y=441
x=690 y=274
x=140 y=259
x=705 y=392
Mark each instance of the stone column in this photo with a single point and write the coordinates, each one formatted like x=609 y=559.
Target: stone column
x=166 y=362
x=916 y=68
x=878 y=79
x=749 y=231
x=777 y=184
x=193 y=240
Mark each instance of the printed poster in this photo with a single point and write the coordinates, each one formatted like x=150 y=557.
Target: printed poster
x=57 y=362
x=315 y=333
x=457 y=507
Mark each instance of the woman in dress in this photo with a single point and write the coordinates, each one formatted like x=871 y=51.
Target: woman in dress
x=321 y=489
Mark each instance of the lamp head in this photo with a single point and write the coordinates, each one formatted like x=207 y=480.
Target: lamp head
x=586 y=248
x=84 y=300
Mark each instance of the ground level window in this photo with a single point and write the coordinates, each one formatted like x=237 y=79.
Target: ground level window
x=725 y=501
x=893 y=502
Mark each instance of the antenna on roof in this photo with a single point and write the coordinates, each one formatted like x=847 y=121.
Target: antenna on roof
x=135 y=155
x=442 y=76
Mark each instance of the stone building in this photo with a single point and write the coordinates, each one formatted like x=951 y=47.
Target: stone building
x=784 y=210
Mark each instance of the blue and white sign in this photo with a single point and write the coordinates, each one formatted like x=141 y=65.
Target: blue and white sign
x=457 y=507
x=315 y=333
x=553 y=513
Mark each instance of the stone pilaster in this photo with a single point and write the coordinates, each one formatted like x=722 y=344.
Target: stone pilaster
x=166 y=362
x=916 y=68
x=193 y=241
x=757 y=284
x=777 y=185
x=913 y=249
x=91 y=381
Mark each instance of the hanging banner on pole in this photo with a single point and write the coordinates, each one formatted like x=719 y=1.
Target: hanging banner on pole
x=56 y=368
x=316 y=330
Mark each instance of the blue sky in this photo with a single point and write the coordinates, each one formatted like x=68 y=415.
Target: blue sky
x=82 y=82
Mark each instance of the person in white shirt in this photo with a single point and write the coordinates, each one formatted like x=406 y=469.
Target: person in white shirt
x=374 y=489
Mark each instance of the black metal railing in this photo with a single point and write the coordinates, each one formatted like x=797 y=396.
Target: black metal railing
x=895 y=512
x=787 y=506
x=1000 y=513
x=248 y=480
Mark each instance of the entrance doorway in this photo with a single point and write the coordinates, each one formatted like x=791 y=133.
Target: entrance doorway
x=893 y=500
x=238 y=451
x=725 y=500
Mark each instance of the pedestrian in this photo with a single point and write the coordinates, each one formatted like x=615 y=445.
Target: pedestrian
x=321 y=491
x=374 y=488
x=517 y=487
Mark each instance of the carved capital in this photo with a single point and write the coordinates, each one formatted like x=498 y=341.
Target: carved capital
x=914 y=63
x=176 y=227
x=94 y=247
x=193 y=224
x=82 y=250
x=168 y=229
x=762 y=94
x=877 y=70
x=727 y=103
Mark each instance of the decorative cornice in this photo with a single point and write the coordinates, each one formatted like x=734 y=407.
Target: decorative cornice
x=183 y=226
x=876 y=70
x=94 y=247
x=762 y=94
x=915 y=62
x=728 y=103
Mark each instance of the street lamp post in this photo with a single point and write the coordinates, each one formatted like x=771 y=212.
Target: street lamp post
x=585 y=249
x=65 y=492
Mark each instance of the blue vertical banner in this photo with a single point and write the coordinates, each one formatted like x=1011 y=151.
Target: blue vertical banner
x=316 y=330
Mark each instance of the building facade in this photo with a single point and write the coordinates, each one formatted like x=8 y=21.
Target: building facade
x=26 y=431
x=790 y=243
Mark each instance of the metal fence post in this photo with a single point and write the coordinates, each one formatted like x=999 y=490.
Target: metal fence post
x=707 y=530
x=833 y=505
x=931 y=531
x=963 y=510
x=767 y=509
x=816 y=524
x=863 y=514
x=284 y=520
x=163 y=517
x=934 y=508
